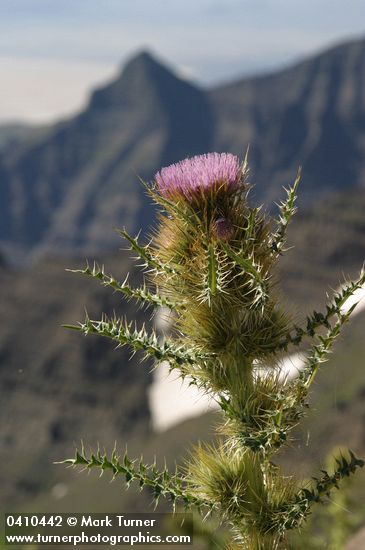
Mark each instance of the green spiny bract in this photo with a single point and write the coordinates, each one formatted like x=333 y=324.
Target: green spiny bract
x=212 y=261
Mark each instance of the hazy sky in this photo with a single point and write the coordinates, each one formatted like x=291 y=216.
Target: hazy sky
x=52 y=52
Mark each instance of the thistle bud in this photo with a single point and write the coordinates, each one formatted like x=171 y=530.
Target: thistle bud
x=222 y=229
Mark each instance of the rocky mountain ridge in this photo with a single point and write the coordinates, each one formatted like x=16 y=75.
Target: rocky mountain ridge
x=65 y=190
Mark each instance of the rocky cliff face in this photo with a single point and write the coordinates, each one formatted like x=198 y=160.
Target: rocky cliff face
x=310 y=115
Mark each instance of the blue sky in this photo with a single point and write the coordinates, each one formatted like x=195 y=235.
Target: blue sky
x=53 y=51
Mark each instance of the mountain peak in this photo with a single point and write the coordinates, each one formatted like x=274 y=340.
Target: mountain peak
x=145 y=63
x=142 y=57
x=139 y=74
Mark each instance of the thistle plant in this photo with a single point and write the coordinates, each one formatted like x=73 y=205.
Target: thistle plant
x=212 y=261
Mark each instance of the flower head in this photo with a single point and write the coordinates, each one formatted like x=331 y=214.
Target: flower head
x=199 y=173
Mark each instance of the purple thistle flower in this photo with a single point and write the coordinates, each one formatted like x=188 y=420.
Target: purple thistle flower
x=199 y=173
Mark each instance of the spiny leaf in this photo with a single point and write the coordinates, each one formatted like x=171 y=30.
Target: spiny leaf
x=163 y=483
x=320 y=353
x=122 y=332
x=140 y=294
x=145 y=255
x=292 y=514
x=287 y=209
x=334 y=308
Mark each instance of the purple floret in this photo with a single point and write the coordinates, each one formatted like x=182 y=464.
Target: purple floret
x=201 y=172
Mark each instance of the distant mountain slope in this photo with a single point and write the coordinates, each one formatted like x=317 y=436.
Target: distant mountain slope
x=57 y=387
x=13 y=135
x=328 y=240
x=65 y=191
x=68 y=191
x=312 y=114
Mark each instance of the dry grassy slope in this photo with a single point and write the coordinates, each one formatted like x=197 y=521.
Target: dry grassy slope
x=57 y=386
x=337 y=415
x=328 y=241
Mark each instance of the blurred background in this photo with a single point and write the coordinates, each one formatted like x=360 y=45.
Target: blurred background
x=95 y=95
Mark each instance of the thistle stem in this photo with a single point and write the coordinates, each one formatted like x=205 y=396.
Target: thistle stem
x=241 y=384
